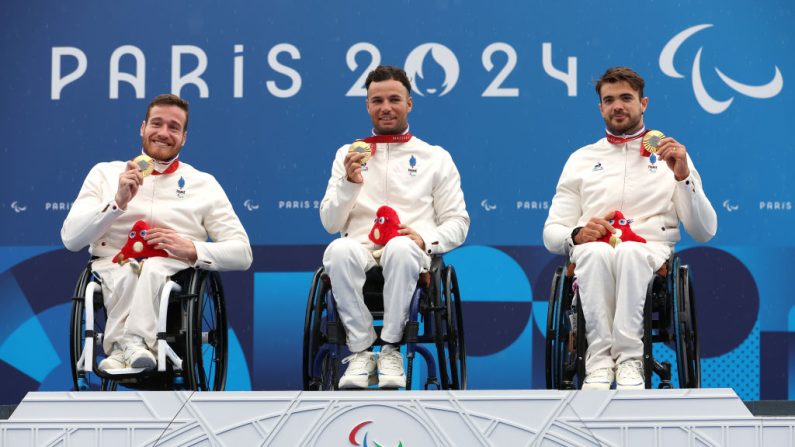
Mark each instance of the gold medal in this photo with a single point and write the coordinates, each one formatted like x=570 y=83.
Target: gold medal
x=652 y=140
x=360 y=147
x=145 y=164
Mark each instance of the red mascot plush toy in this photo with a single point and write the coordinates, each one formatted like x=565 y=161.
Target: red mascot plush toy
x=386 y=225
x=623 y=232
x=136 y=246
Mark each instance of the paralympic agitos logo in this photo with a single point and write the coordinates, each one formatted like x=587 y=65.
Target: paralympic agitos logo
x=705 y=100
x=355 y=431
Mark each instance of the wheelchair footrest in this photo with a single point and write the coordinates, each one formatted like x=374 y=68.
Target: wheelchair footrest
x=124 y=371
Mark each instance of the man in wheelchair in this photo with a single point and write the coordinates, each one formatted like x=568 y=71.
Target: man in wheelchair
x=145 y=220
x=421 y=183
x=606 y=187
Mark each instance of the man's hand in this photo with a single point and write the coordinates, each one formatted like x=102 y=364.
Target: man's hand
x=129 y=181
x=405 y=230
x=353 y=166
x=595 y=229
x=674 y=153
x=176 y=246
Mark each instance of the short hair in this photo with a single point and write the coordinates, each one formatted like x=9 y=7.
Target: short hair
x=168 y=99
x=618 y=74
x=385 y=73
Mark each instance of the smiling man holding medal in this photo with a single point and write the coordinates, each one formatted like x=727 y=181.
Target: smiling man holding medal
x=145 y=220
x=421 y=183
x=650 y=179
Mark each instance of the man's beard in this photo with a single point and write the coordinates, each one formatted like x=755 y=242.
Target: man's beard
x=151 y=151
x=625 y=128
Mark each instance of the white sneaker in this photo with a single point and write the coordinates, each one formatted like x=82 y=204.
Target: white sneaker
x=601 y=379
x=137 y=354
x=630 y=375
x=115 y=360
x=360 y=372
x=390 y=370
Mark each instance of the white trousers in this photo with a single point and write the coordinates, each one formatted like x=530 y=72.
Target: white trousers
x=132 y=301
x=612 y=284
x=346 y=262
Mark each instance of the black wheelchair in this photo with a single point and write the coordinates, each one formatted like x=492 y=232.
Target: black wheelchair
x=669 y=318
x=192 y=338
x=435 y=318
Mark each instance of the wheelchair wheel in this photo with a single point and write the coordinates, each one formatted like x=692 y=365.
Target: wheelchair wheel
x=309 y=336
x=77 y=331
x=206 y=338
x=688 y=355
x=323 y=376
x=564 y=354
x=456 y=349
x=553 y=339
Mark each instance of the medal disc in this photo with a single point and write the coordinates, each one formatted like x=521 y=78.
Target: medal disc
x=360 y=147
x=145 y=164
x=652 y=140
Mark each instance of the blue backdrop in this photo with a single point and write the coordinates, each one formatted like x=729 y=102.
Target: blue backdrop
x=275 y=87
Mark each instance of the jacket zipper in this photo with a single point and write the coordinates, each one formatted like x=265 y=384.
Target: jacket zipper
x=386 y=175
x=624 y=181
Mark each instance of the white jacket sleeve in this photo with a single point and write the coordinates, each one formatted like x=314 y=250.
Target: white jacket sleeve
x=229 y=248
x=693 y=207
x=452 y=219
x=564 y=213
x=91 y=214
x=340 y=196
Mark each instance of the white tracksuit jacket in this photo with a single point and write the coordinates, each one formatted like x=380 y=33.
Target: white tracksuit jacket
x=602 y=177
x=426 y=194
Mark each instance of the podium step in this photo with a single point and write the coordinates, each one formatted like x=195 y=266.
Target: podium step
x=411 y=418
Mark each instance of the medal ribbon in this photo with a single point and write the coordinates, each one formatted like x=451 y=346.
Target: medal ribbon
x=375 y=139
x=612 y=139
x=171 y=168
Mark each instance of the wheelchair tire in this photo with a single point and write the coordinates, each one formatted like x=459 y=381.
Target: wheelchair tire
x=77 y=325
x=310 y=347
x=688 y=355
x=306 y=363
x=454 y=331
x=325 y=375
x=206 y=338
x=439 y=336
x=563 y=367
x=551 y=358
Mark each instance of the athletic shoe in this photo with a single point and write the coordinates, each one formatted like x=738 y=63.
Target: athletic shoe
x=601 y=379
x=630 y=375
x=360 y=372
x=115 y=360
x=137 y=354
x=390 y=370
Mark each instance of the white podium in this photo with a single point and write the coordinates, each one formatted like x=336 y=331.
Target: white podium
x=705 y=417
